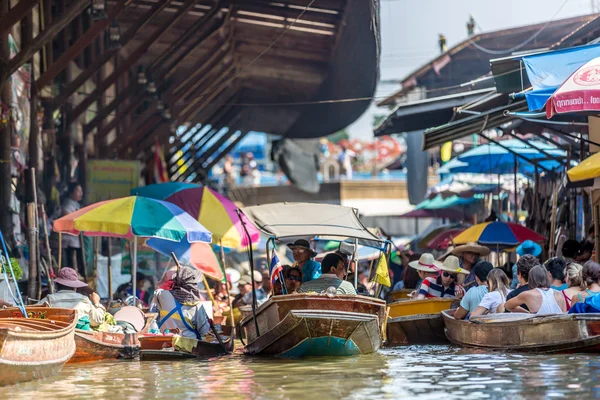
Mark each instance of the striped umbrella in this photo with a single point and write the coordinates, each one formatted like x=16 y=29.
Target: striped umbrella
x=498 y=234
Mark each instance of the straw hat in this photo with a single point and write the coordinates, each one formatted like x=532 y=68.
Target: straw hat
x=452 y=264
x=426 y=263
x=471 y=247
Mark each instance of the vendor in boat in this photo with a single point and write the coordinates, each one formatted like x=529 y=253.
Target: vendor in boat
x=471 y=301
x=334 y=272
x=303 y=255
x=556 y=273
x=524 y=265
x=445 y=285
x=180 y=309
x=469 y=256
x=67 y=283
x=540 y=299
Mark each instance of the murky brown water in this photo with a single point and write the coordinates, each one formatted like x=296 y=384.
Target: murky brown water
x=440 y=372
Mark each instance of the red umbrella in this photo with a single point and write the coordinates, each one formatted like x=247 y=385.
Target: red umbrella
x=579 y=93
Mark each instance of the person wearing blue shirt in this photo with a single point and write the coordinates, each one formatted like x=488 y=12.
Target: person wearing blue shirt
x=471 y=301
x=303 y=255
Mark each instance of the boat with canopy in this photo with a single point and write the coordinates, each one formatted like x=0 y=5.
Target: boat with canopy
x=313 y=324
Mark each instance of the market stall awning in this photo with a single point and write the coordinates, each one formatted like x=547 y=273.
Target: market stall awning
x=474 y=124
x=289 y=220
x=587 y=169
x=423 y=114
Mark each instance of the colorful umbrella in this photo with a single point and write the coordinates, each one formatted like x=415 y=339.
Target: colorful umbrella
x=212 y=210
x=498 y=234
x=198 y=254
x=579 y=93
x=130 y=217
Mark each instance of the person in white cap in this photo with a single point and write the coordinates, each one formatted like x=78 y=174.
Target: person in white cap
x=445 y=284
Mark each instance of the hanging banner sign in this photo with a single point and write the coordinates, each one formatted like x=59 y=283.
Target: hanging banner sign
x=110 y=179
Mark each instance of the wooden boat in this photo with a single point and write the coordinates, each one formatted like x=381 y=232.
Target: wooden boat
x=160 y=347
x=417 y=322
x=527 y=332
x=301 y=325
x=35 y=347
x=97 y=346
x=401 y=294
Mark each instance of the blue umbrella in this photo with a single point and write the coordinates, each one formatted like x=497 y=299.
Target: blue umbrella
x=493 y=159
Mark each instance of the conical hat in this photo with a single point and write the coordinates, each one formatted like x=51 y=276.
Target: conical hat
x=452 y=264
x=426 y=263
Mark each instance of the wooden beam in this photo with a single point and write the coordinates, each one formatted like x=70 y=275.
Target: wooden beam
x=40 y=40
x=130 y=61
x=15 y=14
x=85 y=40
x=68 y=90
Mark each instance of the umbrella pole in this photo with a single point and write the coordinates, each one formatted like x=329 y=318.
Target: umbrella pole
x=60 y=251
x=109 y=263
x=222 y=256
x=96 y=250
x=210 y=295
x=134 y=270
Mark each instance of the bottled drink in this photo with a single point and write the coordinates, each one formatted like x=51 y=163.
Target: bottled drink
x=154 y=328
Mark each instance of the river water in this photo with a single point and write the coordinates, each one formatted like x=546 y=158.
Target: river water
x=426 y=372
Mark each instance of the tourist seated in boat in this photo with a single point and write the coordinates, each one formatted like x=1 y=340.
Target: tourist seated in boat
x=498 y=288
x=334 y=272
x=590 y=274
x=303 y=256
x=575 y=283
x=570 y=250
x=445 y=285
x=245 y=287
x=469 y=255
x=410 y=278
x=222 y=297
x=426 y=267
x=293 y=280
x=524 y=265
x=556 y=272
x=180 y=309
x=473 y=297
x=88 y=308
x=528 y=247
x=540 y=299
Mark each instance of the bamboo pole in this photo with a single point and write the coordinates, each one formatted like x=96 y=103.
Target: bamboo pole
x=96 y=249
x=60 y=251
x=553 y=221
x=110 y=277
x=31 y=283
x=222 y=256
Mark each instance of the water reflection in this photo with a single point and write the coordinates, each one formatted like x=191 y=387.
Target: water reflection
x=423 y=371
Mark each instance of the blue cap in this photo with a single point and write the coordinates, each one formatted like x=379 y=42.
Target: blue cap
x=529 y=247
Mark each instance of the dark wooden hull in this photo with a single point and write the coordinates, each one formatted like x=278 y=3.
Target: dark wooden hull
x=97 y=346
x=416 y=329
x=302 y=325
x=153 y=348
x=36 y=347
x=571 y=333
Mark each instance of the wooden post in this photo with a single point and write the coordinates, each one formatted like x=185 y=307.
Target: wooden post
x=222 y=256
x=96 y=249
x=60 y=251
x=553 y=220
x=33 y=273
x=50 y=264
x=84 y=266
x=6 y=224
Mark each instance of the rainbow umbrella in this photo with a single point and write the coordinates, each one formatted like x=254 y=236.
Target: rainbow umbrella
x=214 y=211
x=133 y=217
x=498 y=234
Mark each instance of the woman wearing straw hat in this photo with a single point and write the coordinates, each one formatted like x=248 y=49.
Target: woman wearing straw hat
x=469 y=256
x=445 y=284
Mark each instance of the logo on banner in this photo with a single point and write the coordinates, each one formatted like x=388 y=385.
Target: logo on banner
x=588 y=76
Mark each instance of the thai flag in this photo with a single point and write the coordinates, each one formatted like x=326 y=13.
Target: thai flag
x=160 y=165
x=275 y=268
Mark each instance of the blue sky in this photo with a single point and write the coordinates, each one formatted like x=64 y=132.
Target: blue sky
x=409 y=30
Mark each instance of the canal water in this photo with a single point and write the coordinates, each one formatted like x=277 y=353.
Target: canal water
x=424 y=372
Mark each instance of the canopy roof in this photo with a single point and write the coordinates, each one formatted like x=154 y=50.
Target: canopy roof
x=288 y=220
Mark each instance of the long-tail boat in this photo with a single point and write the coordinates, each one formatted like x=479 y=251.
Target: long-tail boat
x=35 y=347
x=160 y=347
x=304 y=324
x=97 y=346
x=414 y=322
x=571 y=333
x=313 y=324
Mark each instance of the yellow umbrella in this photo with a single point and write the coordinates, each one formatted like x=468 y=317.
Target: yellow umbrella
x=587 y=169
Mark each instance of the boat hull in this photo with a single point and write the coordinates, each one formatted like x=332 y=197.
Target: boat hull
x=415 y=322
x=97 y=346
x=303 y=325
x=35 y=348
x=527 y=333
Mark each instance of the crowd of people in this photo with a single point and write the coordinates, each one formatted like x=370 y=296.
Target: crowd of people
x=558 y=285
